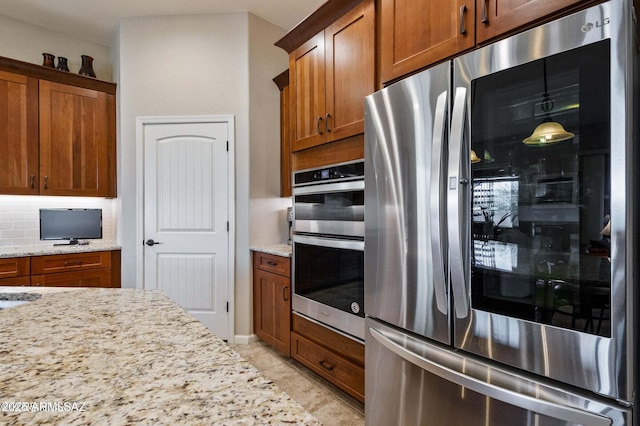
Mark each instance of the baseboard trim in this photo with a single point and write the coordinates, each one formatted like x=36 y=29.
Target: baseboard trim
x=243 y=339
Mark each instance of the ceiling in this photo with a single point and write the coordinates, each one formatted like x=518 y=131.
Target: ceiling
x=97 y=20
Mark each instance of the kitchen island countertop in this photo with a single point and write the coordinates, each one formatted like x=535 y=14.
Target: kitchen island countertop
x=126 y=356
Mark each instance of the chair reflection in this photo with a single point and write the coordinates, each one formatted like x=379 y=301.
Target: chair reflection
x=579 y=300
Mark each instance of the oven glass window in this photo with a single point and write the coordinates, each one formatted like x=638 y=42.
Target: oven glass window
x=541 y=202
x=331 y=276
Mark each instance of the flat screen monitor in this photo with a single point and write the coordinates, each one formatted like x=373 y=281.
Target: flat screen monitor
x=70 y=224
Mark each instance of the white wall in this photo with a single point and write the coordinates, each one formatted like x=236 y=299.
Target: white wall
x=27 y=42
x=268 y=211
x=197 y=65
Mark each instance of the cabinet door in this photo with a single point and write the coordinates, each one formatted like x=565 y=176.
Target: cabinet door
x=18 y=134
x=306 y=65
x=76 y=141
x=272 y=309
x=496 y=17
x=418 y=33
x=349 y=70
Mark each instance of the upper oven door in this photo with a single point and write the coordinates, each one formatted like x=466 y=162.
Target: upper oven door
x=330 y=209
x=540 y=227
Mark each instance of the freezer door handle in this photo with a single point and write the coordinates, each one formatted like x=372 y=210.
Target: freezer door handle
x=436 y=203
x=526 y=402
x=457 y=186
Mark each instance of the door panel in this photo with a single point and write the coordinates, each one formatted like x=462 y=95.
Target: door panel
x=405 y=260
x=18 y=134
x=496 y=17
x=350 y=68
x=418 y=33
x=186 y=213
x=73 y=141
x=307 y=94
x=546 y=291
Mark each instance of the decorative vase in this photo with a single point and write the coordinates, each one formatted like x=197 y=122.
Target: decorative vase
x=62 y=64
x=48 y=60
x=87 y=66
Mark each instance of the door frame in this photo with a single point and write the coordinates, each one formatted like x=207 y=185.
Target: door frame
x=143 y=121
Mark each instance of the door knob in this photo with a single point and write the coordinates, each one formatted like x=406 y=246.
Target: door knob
x=151 y=242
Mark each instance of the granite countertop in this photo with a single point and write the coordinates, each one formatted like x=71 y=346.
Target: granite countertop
x=277 y=249
x=46 y=249
x=126 y=356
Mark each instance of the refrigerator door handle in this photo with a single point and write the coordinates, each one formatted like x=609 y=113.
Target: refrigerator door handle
x=456 y=186
x=435 y=198
x=491 y=390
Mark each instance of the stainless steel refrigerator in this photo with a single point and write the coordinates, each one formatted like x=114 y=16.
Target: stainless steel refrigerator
x=501 y=242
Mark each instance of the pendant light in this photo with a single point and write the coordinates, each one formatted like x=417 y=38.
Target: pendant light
x=474 y=157
x=549 y=131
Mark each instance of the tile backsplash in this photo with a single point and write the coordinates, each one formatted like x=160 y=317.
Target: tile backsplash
x=20 y=217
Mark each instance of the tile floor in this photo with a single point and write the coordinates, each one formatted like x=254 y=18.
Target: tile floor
x=323 y=400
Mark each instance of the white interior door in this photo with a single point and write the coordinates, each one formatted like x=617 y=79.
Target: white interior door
x=186 y=215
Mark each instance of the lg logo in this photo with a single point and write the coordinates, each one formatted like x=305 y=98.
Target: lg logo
x=591 y=25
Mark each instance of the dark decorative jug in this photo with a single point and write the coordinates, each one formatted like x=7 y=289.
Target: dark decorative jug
x=62 y=64
x=87 y=66
x=48 y=60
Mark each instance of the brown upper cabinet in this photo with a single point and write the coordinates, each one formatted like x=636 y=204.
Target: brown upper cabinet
x=417 y=33
x=18 y=134
x=58 y=130
x=75 y=140
x=330 y=74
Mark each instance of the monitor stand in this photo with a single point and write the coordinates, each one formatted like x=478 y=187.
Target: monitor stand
x=72 y=242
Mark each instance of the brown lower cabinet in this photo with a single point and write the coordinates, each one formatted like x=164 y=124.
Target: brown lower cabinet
x=88 y=269
x=333 y=356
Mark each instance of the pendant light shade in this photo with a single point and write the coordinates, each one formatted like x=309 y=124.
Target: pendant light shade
x=548 y=133
x=474 y=157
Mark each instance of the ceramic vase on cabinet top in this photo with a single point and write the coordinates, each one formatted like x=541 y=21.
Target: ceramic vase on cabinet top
x=48 y=60
x=87 y=66
x=62 y=64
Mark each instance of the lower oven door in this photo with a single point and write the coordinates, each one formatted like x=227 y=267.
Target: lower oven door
x=328 y=282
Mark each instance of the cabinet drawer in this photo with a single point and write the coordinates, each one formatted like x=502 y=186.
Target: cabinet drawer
x=346 y=347
x=70 y=262
x=338 y=370
x=14 y=267
x=16 y=281
x=91 y=278
x=271 y=263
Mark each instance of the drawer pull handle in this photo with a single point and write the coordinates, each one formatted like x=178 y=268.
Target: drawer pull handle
x=485 y=18
x=326 y=365
x=33 y=181
x=272 y=263
x=463 y=9
x=319 y=124
x=284 y=293
x=76 y=263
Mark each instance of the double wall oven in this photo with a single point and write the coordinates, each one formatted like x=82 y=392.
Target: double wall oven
x=328 y=246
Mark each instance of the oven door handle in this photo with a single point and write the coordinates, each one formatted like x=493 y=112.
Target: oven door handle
x=354 y=185
x=329 y=242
